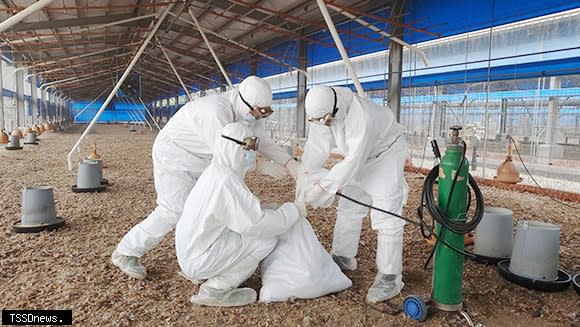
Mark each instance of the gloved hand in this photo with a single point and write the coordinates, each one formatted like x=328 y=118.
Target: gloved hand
x=301 y=206
x=295 y=168
x=266 y=167
x=318 y=197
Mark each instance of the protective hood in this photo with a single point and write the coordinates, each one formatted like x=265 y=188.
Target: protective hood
x=256 y=91
x=228 y=153
x=320 y=100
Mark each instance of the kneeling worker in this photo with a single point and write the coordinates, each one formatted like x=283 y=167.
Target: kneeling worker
x=223 y=233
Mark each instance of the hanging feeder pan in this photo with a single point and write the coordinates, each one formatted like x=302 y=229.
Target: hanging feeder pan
x=576 y=282
x=560 y=284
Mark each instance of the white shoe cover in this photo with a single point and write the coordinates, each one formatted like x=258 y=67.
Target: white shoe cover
x=386 y=286
x=224 y=298
x=345 y=263
x=129 y=265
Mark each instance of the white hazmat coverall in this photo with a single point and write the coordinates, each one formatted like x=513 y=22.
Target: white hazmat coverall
x=223 y=232
x=181 y=152
x=374 y=151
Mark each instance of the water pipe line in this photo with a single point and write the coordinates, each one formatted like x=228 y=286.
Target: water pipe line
x=120 y=81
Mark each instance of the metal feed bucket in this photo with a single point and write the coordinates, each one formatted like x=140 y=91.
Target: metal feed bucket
x=536 y=251
x=38 y=206
x=494 y=235
x=88 y=175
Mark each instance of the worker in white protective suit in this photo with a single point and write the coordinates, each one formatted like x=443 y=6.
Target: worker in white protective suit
x=223 y=233
x=374 y=151
x=184 y=148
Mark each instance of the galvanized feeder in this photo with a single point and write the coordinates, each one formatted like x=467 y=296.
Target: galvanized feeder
x=535 y=258
x=38 y=211
x=14 y=143
x=89 y=177
x=31 y=138
x=494 y=235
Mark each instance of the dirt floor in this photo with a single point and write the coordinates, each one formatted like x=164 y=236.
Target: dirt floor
x=71 y=268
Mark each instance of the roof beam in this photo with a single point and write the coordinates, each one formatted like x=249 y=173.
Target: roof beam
x=71 y=22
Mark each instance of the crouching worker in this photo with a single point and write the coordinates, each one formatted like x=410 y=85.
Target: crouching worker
x=223 y=233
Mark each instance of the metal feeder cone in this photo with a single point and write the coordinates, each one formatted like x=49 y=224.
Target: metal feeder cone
x=14 y=143
x=26 y=131
x=507 y=171
x=38 y=211
x=89 y=177
x=3 y=137
x=17 y=132
x=30 y=138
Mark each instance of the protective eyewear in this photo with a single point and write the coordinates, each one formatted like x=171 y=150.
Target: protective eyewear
x=249 y=143
x=328 y=118
x=257 y=112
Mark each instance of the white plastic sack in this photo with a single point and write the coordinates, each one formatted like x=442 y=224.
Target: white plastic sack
x=300 y=267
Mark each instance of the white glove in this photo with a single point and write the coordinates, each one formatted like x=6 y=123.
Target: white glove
x=301 y=206
x=295 y=168
x=266 y=167
x=318 y=197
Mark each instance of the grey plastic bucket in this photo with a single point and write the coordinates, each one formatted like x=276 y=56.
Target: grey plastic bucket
x=536 y=252
x=14 y=141
x=99 y=164
x=38 y=206
x=88 y=175
x=30 y=138
x=494 y=235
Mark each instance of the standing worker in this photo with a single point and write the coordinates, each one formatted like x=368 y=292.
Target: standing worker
x=184 y=148
x=223 y=233
x=374 y=150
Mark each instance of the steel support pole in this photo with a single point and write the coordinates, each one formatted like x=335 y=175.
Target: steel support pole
x=121 y=80
x=150 y=115
x=2 y=93
x=215 y=57
x=174 y=70
x=88 y=105
x=5 y=25
x=340 y=46
x=20 y=114
x=395 y=64
x=301 y=88
x=34 y=99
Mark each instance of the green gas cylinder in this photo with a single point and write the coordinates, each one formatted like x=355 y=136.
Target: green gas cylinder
x=448 y=264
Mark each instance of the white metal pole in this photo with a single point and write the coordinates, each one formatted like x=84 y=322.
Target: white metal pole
x=215 y=57
x=88 y=105
x=150 y=115
x=142 y=114
x=380 y=31
x=121 y=80
x=339 y=46
x=175 y=70
x=23 y=14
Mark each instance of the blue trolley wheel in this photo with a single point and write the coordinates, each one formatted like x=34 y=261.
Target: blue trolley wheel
x=415 y=307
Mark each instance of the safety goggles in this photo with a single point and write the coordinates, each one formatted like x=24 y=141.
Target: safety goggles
x=249 y=143
x=328 y=118
x=257 y=112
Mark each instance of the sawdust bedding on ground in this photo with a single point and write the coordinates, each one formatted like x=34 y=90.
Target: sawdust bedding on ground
x=71 y=269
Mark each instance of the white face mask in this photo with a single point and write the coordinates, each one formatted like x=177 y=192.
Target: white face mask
x=249 y=159
x=249 y=119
